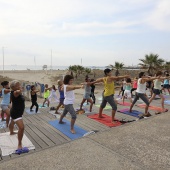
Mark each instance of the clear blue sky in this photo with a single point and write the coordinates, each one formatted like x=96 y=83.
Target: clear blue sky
x=98 y=31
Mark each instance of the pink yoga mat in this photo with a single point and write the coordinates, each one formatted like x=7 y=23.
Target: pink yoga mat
x=124 y=104
x=4 y=115
x=151 y=107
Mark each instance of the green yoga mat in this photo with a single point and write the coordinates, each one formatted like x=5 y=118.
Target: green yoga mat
x=107 y=107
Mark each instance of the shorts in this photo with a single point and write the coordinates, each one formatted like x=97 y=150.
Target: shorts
x=16 y=115
x=69 y=108
x=86 y=96
x=4 y=107
x=128 y=94
x=110 y=100
x=166 y=86
x=156 y=91
x=19 y=118
x=62 y=101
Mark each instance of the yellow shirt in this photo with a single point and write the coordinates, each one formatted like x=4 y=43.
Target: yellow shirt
x=46 y=94
x=108 y=87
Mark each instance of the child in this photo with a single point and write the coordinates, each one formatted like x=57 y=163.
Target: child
x=16 y=112
x=34 y=98
x=53 y=94
x=92 y=92
x=69 y=101
x=5 y=103
x=166 y=84
x=87 y=93
x=46 y=95
x=108 y=95
x=123 y=83
x=157 y=89
x=135 y=81
x=60 y=89
x=141 y=92
x=127 y=92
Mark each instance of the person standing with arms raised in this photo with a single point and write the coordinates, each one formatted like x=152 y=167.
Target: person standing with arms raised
x=108 y=94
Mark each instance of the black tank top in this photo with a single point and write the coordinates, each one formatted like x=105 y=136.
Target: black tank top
x=33 y=97
x=18 y=103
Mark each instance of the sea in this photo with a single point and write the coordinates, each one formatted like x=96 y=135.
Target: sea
x=40 y=67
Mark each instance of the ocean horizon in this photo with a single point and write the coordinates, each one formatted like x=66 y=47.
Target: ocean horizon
x=40 y=67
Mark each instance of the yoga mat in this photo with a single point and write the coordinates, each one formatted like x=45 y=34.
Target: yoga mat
x=124 y=104
x=9 y=143
x=106 y=120
x=100 y=98
x=167 y=102
x=53 y=113
x=65 y=129
x=31 y=113
x=134 y=113
x=40 y=106
x=2 y=124
x=85 y=104
x=107 y=107
x=4 y=115
x=150 y=107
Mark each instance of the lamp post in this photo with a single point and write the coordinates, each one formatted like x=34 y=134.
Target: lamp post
x=3 y=59
x=51 y=60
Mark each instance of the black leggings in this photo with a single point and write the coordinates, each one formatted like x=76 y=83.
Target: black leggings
x=34 y=103
x=93 y=97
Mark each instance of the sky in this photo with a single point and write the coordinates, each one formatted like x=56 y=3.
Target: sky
x=99 y=32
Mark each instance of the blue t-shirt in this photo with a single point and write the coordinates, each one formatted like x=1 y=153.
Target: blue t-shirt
x=6 y=98
x=166 y=81
x=61 y=93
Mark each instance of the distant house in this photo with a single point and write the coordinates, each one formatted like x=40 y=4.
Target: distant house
x=44 y=67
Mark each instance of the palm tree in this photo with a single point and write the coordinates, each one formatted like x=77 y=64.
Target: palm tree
x=118 y=66
x=73 y=69
x=87 y=71
x=152 y=62
x=167 y=66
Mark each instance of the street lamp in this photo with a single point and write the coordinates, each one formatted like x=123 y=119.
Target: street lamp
x=3 y=59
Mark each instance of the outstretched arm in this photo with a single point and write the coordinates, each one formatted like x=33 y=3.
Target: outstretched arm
x=99 y=80
x=119 y=77
x=71 y=87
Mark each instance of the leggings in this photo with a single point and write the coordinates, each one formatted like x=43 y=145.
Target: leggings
x=93 y=97
x=34 y=103
x=142 y=96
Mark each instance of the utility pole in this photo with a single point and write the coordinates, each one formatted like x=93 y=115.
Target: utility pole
x=3 y=59
x=51 y=60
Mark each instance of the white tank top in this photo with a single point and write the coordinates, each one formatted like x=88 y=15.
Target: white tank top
x=141 y=87
x=157 y=84
x=69 y=96
x=53 y=92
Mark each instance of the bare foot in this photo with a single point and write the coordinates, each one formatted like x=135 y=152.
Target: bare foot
x=165 y=110
x=19 y=146
x=72 y=131
x=57 y=113
x=101 y=116
x=61 y=122
x=13 y=133
x=114 y=122
x=130 y=111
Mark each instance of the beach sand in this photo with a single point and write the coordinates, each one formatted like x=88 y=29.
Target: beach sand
x=50 y=78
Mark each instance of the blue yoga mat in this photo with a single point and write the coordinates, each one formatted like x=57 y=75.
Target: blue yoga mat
x=167 y=102
x=134 y=113
x=31 y=113
x=40 y=106
x=65 y=129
